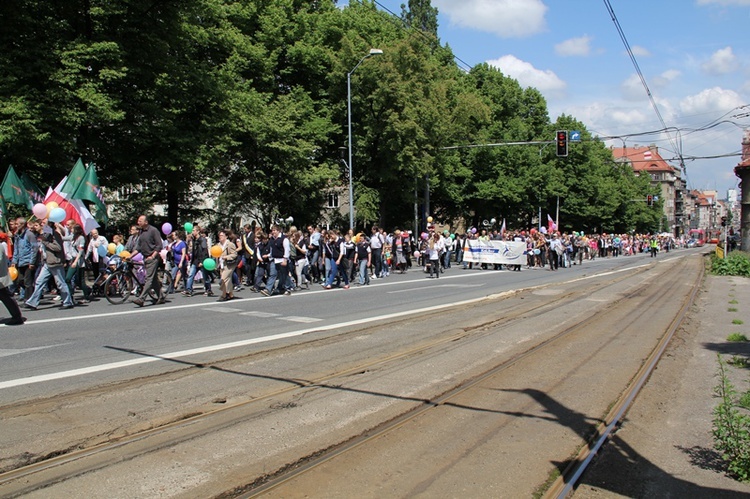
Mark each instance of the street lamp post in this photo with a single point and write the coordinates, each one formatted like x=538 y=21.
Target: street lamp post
x=349 y=112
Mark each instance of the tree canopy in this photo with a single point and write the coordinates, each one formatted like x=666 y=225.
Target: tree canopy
x=245 y=103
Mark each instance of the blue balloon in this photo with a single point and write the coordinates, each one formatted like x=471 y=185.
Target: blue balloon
x=102 y=250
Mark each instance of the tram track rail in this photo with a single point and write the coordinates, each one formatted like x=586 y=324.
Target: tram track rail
x=588 y=448
x=82 y=461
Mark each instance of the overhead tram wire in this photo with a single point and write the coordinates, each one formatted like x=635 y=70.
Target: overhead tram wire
x=643 y=80
x=460 y=62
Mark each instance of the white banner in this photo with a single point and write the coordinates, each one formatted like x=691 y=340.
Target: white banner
x=495 y=252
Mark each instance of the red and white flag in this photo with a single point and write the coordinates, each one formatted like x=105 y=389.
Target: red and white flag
x=551 y=225
x=74 y=208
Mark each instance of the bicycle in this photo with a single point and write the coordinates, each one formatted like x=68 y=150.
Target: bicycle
x=127 y=280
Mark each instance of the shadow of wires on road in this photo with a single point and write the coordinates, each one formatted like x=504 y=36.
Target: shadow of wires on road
x=622 y=470
x=298 y=382
x=619 y=468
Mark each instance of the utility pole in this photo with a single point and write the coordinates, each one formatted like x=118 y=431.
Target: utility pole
x=742 y=170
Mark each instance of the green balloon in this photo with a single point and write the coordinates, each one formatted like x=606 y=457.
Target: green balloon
x=188 y=227
x=453 y=236
x=209 y=264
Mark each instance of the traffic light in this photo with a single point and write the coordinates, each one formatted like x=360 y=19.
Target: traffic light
x=650 y=200
x=562 y=143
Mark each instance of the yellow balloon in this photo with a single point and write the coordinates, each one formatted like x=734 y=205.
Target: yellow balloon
x=124 y=254
x=51 y=206
x=216 y=251
x=111 y=247
x=13 y=273
x=429 y=220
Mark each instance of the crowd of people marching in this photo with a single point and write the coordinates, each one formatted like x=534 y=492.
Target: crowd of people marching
x=41 y=257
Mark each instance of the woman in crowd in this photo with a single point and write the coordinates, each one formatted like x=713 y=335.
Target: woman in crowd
x=178 y=248
x=300 y=259
x=76 y=274
x=399 y=255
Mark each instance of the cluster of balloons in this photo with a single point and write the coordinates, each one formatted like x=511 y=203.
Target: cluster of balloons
x=166 y=228
x=50 y=211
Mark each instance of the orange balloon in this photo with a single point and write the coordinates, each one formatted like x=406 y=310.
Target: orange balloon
x=51 y=206
x=125 y=254
x=216 y=251
x=13 y=273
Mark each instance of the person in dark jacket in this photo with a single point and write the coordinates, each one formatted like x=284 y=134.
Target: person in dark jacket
x=16 y=319
x=54 y=266
x=25 y=254
x=262 y=256
x=198 y=254
x=150 y=246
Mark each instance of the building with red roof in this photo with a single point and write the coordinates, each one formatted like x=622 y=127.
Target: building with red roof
x=675 y=201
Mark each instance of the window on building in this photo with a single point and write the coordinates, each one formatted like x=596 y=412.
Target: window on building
x=333 y=200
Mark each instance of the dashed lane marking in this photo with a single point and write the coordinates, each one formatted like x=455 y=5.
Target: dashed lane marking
x=223 y=310
x=262 y=315
x=294 y=318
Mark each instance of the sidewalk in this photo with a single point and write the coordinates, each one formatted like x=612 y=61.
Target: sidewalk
x=664 y=447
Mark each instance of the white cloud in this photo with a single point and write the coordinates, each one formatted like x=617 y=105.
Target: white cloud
x=632 y=89
x=529 y=76
x=714 y=100
x=580 y=46
x=721 y=62
x=505 y=18
x=639 y=51
x=666 y=77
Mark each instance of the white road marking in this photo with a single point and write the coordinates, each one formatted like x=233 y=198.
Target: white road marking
x=223 y=310
x=294 y=318
x=260 y=314
x=7 y=352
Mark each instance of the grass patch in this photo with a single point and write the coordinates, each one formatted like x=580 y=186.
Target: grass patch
x=733 y=302
x=732 y=309
x=738 y=361
x=731 y=427
x=738 y=322
x=736 y=337
x=744 y=401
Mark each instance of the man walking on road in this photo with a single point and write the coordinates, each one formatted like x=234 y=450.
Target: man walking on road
x=149 y=245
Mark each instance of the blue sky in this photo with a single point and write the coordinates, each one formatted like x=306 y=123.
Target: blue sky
x=693 y=54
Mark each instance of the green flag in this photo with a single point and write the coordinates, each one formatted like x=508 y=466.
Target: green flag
x=35 y=193
x=74 y=178
x=13 y=190
x=90 y=190
x=3 y=215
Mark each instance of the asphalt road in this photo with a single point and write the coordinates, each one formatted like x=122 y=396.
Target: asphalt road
x=59 y=351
